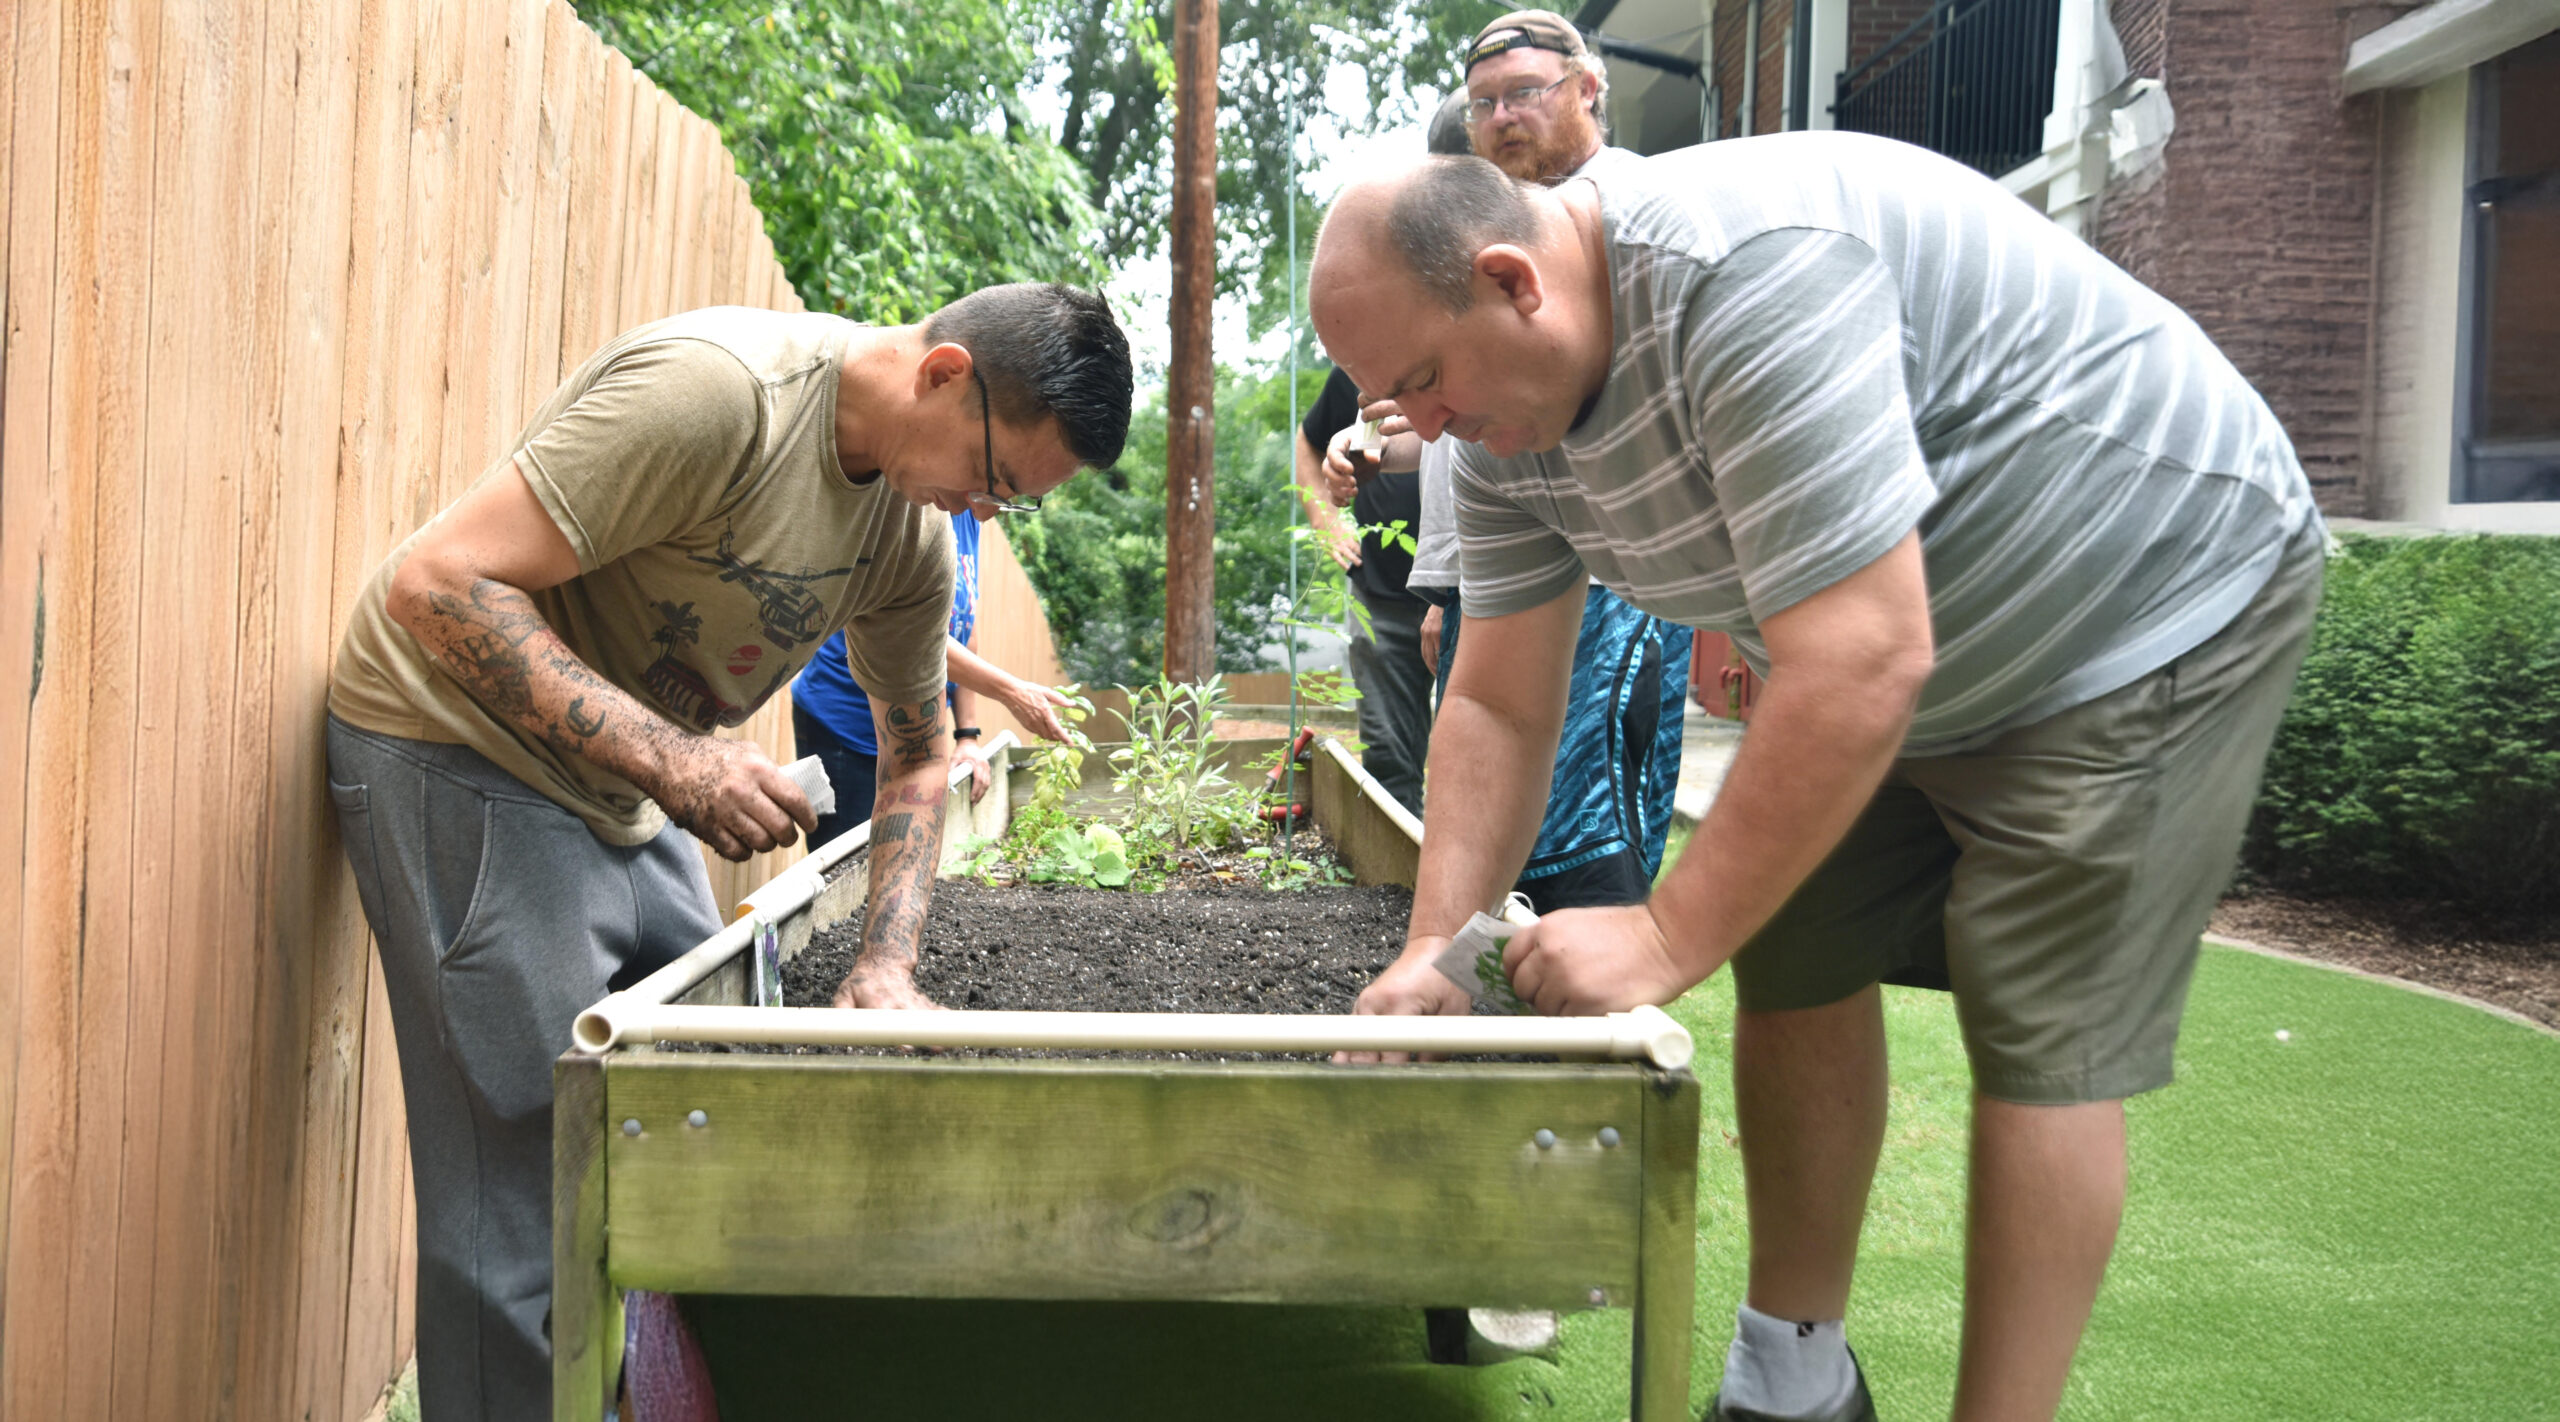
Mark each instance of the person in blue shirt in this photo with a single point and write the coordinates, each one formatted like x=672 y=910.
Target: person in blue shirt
x=831 y=717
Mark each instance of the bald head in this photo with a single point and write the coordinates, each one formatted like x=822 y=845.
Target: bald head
x=1431 y=219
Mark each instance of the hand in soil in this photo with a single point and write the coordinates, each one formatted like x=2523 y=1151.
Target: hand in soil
x=1411 y=987
x=870 y=987
x=1588 y=962
x=730 y=795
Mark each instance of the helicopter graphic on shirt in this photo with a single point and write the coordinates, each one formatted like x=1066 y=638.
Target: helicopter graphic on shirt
x=790 y=612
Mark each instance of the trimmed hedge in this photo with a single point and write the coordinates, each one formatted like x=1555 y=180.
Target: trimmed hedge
x=2421 y=752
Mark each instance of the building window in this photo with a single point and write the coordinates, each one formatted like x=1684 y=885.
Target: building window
x=2507 y=445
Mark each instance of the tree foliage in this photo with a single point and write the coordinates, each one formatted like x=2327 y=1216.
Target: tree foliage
x=1110 y=61
x=885 y=142
x=898 y=163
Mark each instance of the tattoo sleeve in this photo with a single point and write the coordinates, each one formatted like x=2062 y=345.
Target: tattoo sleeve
x=906 y=833
x=493 y=641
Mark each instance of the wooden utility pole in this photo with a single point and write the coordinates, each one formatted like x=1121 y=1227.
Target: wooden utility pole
x=1190 y=506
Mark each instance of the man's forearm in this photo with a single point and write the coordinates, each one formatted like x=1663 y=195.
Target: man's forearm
x=975 y=676
x=492 y=640
x=1819 y=746
x=906 y=833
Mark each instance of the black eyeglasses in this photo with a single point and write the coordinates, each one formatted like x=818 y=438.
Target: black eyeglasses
x=1519 y=100
x=992 y=499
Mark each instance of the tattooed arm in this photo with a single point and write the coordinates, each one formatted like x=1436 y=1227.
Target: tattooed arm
x=461 y=592
x=906 y=847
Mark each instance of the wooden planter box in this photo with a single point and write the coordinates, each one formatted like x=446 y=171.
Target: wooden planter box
x=1273 y=1182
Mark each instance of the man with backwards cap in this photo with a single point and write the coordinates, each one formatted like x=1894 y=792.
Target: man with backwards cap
x=2028 y=569
x=1533 y=104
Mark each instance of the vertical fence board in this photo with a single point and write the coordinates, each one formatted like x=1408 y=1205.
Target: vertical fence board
x=694 y=253
x=478 y=173
x=382 y=1154
x=45 y=390
x=213 y=147
x=503 y=397
x=599 y=176
x=663 y=235
x=334 y=1052
x=148 y=517
x=564 y=85
x=252 y=982
x=719 y=225
x=743 y=288
x=119 y=982
x=19 y=517
x=437 y=207
x=377 y=228
x=640 y=228
x=301 y=916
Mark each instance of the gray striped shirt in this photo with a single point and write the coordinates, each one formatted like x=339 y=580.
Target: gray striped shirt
x=1824 y=340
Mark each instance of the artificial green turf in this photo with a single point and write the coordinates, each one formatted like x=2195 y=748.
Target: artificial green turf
x=2360 y=1222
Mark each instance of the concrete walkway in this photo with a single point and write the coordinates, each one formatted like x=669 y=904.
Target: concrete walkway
x=1707 y=744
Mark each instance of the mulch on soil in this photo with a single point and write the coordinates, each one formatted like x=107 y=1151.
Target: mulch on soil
x=2506 y=962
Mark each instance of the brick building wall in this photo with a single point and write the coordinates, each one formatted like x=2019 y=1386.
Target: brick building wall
x=1874 y=23
x=2261 y=223
x=1732 y=33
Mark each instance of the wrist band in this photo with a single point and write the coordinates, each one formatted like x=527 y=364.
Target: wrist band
x=965 y=733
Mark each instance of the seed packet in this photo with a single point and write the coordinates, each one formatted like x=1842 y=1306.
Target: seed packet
x=1473 y=960
x=811 y=777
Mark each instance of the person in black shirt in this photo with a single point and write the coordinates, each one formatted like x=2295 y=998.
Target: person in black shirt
x=1386 y=663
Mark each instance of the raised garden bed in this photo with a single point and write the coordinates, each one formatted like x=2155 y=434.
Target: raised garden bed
x=1567 y=1184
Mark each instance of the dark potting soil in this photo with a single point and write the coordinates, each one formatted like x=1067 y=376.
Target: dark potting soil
x=1048 y=947
x=1201 y=946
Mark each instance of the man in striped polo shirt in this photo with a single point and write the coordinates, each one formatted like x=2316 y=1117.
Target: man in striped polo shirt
x=2028 y=568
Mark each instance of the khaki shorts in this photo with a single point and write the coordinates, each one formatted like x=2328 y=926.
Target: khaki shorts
x=2057 y=879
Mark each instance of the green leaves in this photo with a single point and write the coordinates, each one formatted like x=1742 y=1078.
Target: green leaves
x=2421 y=750
x=883 y=142
x=1096 y=552
x=1095 y=857
x=1169 y=768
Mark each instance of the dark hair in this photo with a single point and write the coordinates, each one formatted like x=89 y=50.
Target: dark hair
x=1047 y=351
x=1451 y=209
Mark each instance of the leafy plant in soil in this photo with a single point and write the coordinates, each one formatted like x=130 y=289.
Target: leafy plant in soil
x=1169 y=768
x=1184 y=810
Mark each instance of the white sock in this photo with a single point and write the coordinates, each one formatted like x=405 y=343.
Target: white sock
x=1788 y=1369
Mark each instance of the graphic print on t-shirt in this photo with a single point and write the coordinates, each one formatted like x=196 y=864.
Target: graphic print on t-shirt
x=792 y=614
x=677 y=686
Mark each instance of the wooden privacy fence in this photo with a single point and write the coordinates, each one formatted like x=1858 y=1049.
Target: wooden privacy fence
x=282 y=278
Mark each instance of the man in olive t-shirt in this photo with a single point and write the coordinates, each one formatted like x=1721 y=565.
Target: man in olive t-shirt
x=521 y=715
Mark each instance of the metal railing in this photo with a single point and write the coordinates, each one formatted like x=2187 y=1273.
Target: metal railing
x=1972 y=79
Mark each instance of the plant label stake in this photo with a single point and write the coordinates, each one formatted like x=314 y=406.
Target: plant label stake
x=1473 y=960
x=766 y=989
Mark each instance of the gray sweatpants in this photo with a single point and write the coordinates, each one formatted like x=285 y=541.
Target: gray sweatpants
x=498 y=916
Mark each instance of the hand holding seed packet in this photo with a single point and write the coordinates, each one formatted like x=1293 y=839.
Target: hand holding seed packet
x=1473 y=960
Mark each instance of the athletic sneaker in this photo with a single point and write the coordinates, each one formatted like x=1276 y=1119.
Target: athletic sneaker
x=1862 y=1408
